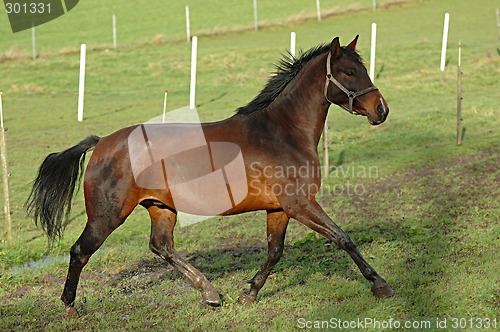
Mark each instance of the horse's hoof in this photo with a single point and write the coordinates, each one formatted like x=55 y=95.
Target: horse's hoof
x=246 y=299
x=213 y=304
x=381 y=289
x=212 y=298
x=71 y=312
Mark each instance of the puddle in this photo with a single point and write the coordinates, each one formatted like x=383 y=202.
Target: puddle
x=33 y=265
x=47 y=260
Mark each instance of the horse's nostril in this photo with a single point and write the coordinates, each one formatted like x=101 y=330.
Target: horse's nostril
x=382 y=110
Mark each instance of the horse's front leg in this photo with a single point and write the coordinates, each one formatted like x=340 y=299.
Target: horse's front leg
x=310 y=213
x=277 y=222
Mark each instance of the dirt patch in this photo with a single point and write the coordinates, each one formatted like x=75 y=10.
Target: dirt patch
x=19 y=293
x=446 y=189
x=50 y=279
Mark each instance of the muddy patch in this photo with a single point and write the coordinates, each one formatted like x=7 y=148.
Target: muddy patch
x=444 y=190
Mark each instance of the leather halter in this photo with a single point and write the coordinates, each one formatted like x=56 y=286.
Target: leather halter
x=350 y=94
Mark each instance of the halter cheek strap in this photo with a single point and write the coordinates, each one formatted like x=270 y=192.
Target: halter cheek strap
x=350 y=94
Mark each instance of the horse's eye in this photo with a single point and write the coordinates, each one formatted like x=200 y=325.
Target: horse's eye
x=350 y=73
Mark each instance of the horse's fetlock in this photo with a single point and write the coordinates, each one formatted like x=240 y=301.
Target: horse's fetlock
x=370 y=273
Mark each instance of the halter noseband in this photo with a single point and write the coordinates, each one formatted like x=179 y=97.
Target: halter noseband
x=350 y=94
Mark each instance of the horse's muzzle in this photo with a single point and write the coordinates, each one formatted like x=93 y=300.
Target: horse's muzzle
x=383 y=110
x=382 y=113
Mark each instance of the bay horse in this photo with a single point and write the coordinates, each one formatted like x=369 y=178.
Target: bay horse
x=278 y=130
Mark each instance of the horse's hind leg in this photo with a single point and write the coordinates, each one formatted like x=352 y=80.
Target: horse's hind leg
x=92 y=237
x=277 y=222
x=163 y=221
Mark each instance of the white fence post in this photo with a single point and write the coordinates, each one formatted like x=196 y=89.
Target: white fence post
x=81 y=85
x=192 y=90
x=318 y=10
x=372 y=52
x=255 y=18
x=114 y=30
x=292 y=44
x=445 y=40
x=188 y=25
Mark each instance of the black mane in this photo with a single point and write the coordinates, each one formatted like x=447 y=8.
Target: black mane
x=286 y=70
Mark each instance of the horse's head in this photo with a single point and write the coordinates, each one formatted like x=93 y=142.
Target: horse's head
x=349 y=86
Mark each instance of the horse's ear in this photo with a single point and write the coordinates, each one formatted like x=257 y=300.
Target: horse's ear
x=335 y=48
x=352 y=45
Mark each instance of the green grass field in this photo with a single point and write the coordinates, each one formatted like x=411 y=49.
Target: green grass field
x=425 y=215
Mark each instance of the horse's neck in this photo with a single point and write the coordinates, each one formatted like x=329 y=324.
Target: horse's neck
x=302 y=107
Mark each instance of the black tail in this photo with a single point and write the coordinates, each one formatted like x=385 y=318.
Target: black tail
x=49 y=202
